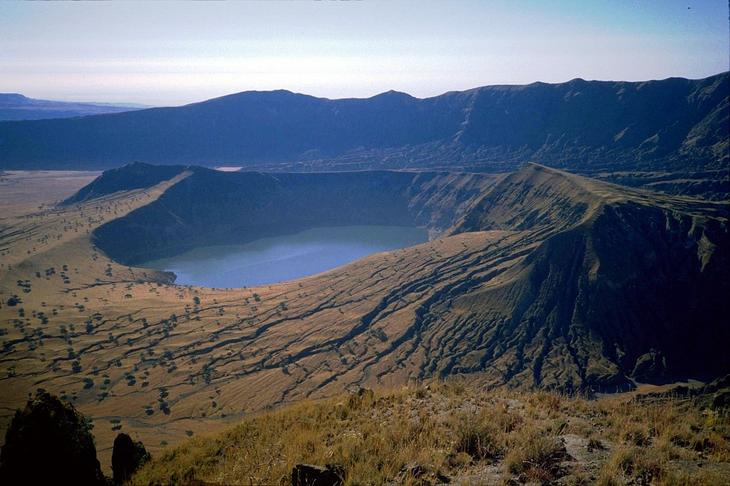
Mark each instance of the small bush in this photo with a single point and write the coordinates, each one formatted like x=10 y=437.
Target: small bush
x=536 y=456
x=476 y=438
x=642 y=465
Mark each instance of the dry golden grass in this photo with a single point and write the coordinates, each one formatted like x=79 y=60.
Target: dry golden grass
x=465 y=434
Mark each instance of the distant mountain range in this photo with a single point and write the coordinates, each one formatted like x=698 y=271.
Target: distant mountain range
x=587 y=126
x=14 y=107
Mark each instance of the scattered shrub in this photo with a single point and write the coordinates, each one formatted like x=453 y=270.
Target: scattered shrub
x=49 y=442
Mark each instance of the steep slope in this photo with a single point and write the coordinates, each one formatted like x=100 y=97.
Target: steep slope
x=14 y=106
x=612 y=288
x=533 y=198
x=127 y=178
x=675 y=124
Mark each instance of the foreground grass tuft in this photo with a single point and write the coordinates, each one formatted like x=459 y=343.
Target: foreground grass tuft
x=423 y=435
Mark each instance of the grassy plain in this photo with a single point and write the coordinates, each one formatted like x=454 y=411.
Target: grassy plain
x=24 y=192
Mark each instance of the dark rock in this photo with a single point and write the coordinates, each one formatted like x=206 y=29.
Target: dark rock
x=415 y=470
x=309 y=475
x=721 y=399
x=650 y=367
x=718 y=384
x=49 y=442
x=127 y=457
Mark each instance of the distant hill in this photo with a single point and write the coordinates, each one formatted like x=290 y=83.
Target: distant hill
x=14 y=107
x=587 y=126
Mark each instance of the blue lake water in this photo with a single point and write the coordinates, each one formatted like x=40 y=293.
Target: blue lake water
x=281 y=258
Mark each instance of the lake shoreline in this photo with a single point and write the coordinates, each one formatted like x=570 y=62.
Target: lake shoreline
x=277 y=259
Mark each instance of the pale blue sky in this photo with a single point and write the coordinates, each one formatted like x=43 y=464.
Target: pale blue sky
x=165 y=53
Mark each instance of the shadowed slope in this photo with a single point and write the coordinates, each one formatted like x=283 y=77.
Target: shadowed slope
x=622 y=284
x=129 y=177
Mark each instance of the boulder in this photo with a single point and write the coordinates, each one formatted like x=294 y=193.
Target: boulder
x=309 y=475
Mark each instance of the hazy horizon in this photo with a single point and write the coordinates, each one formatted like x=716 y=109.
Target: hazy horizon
x=221 y=95
x=171 y=54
